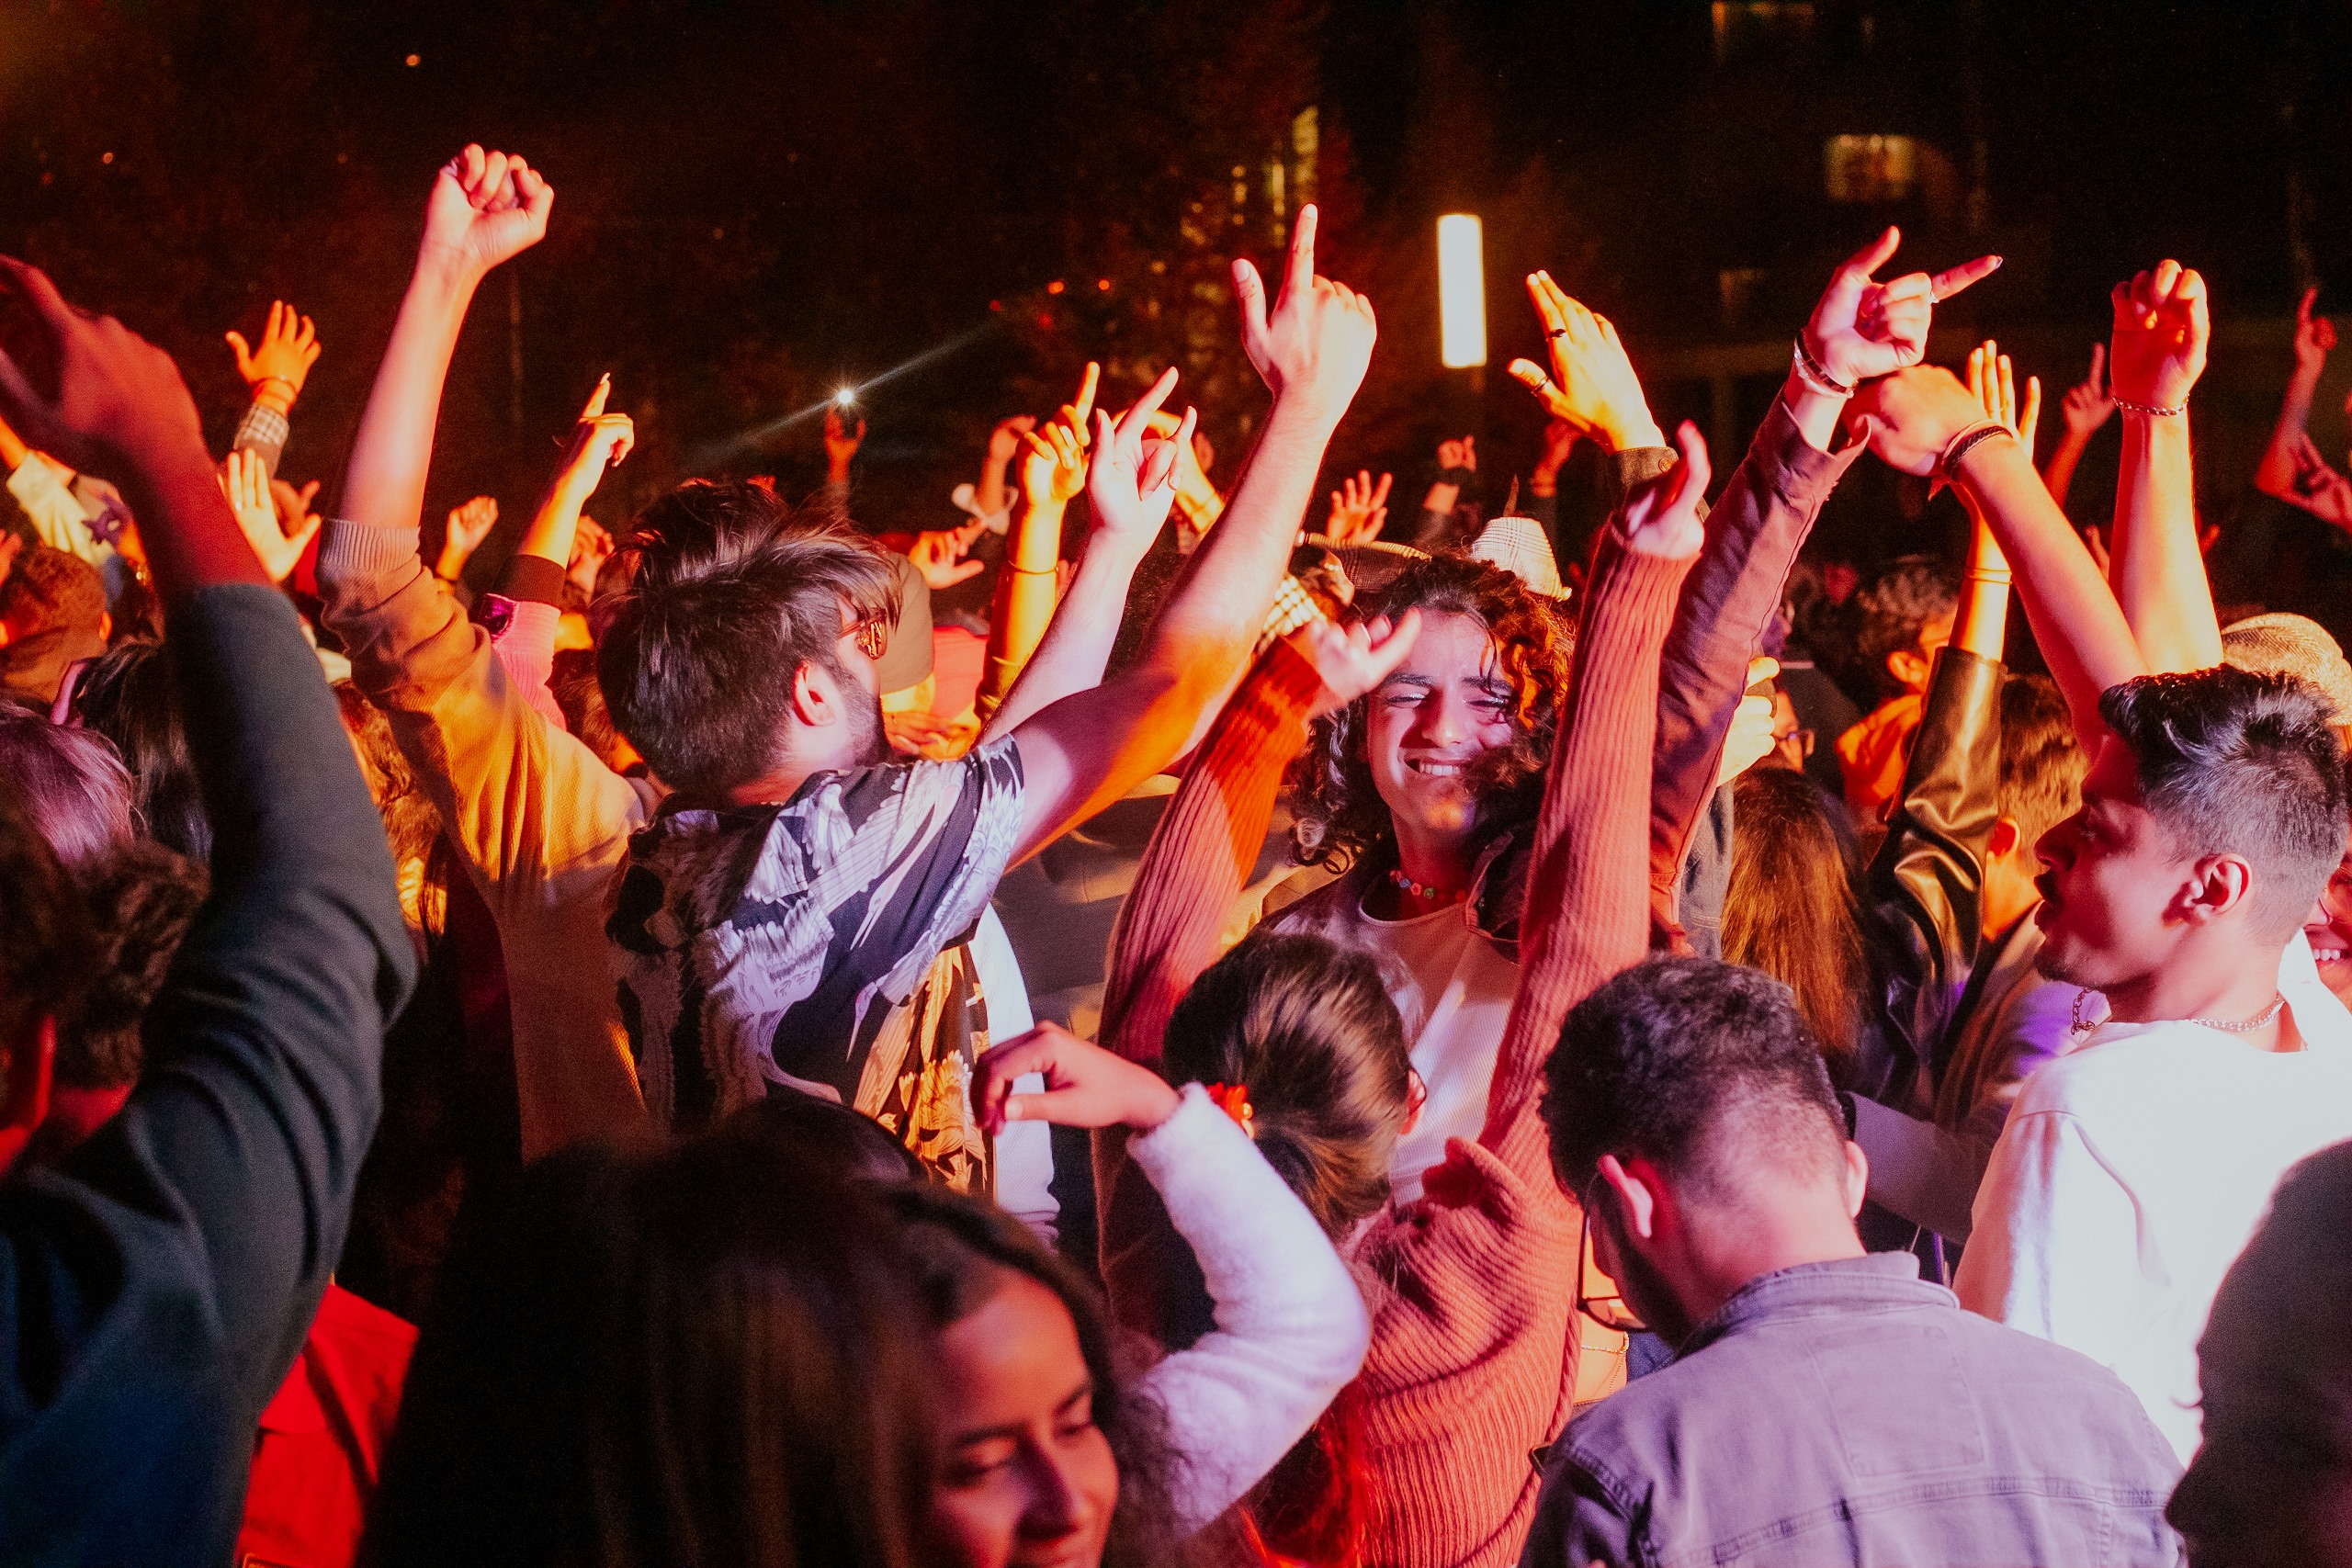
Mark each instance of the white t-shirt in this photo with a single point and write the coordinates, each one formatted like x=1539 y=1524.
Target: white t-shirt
x=1453 y=987
x=2133 y=1171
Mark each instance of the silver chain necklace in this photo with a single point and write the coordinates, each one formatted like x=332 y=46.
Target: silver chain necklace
x=2083 y=1026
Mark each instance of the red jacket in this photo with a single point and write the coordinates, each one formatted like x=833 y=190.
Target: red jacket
x=322 y=1438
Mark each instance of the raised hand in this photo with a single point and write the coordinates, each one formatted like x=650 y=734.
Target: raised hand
x=2161 y=330
x=840 y=443
x=1359 y=509
x=2319 y=488
x=293 y=505
x=1994 y=385
x=1054 y=471
x=1458 y=453
x=1314 y=346
x=1132 y=479
x=1592 y=389
x=591 y=546
x=1751 y=739
x=1863 y=327
x=939 y=555
x=1910 y=418
x=1078 y=414
x=469 y=526
x=1085 y=1085
x=1662 y=515
x=88 y=388
x=1353 y=660
x=2314 y=335
x=599 y=441
x=244 y=479
x=1559 y=440
x=485 y=208
x=2086 y=405
x=289 y=346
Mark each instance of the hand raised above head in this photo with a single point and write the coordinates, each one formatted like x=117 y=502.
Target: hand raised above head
x=289 y=346
x=1661 y=516
x=1592 y=389
x=1992 y=382
x=1863 y=327
x=1316 y=343
x=1909 y=419
x=2162 y=327
x=485 y=208
x=1359 y=509
x=2314 y=335
x=2086 y=405
x=1132 y=481
x=88 y=389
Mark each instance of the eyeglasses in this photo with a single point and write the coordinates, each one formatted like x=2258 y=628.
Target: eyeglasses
x=1596 y=1294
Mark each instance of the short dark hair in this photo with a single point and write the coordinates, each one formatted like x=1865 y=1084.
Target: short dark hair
x=2248 y=764
x=1307 y=1028
x=733 y=590
x=1697 y=1065
x=140 y=902
x=2042 y=760
x=1895 y=607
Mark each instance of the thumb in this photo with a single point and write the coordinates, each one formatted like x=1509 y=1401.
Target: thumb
x=1694 y=471
x=238 y=346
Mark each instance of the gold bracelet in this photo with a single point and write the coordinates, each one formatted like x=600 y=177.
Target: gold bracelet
x=1035 y=570
x=2004 y=576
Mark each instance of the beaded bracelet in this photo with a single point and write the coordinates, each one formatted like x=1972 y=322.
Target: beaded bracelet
x=2149 y=408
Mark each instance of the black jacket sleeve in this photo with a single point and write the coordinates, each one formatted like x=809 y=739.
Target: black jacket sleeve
x=155 y=1287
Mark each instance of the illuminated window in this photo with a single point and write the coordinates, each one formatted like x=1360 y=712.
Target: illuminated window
x=1871 y=168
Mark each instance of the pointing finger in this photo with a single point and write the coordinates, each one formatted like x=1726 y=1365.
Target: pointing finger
x=1947 y=283
x=1299 y=275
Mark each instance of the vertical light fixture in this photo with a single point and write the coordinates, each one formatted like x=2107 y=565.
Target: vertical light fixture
x=1461 y=291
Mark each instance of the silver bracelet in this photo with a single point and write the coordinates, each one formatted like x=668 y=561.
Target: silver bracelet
x=1810 y=370
x=2149 y=408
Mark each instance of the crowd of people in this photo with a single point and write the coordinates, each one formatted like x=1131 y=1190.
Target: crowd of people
x=1233 y=1034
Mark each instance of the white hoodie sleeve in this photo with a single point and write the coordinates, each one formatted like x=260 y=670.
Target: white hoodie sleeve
x=1291 y=1325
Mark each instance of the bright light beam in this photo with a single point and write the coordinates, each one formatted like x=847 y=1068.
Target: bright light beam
x=842 y=396
x=1461 y=291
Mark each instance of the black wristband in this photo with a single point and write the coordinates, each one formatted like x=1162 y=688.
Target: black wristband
x=1460 y=479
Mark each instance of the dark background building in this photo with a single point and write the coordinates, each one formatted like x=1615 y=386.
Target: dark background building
x=759 y=202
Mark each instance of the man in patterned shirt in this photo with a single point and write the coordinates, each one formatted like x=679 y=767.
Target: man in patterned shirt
x=793 y=915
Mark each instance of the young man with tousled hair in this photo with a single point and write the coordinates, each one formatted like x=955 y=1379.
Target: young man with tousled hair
x=2133 y=1170
x=1825 y=1405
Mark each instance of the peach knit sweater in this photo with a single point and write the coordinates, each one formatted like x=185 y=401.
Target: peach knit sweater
x=1472 y=1350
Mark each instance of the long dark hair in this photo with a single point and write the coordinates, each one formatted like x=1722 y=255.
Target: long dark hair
x=1790 y=909
x=1338 y=813
x=705 y=1353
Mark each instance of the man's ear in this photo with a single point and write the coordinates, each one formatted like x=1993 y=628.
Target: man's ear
x=813 y=700
x=1857 y=1178
x=1637 y=1192
x=2217 y=886
x=2004 y=840
x=24 y=1094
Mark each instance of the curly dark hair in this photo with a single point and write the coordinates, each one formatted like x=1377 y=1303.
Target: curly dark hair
x=1339 y=814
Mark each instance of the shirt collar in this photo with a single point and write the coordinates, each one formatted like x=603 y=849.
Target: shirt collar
x=1811 y=1288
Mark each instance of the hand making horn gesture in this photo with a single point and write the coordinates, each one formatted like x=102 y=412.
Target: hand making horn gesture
x=1863 y=329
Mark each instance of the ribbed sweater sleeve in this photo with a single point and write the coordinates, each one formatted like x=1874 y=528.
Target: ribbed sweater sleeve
x=1472 y=1358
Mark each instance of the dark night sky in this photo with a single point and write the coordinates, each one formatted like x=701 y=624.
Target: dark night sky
x=753 y=201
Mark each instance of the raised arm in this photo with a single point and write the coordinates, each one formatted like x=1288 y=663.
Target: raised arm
x=485 y=208
x=2086 y=406
x=2314 y=335
x=170 y=1265
x=1922 y=422
x=1586 y=916
x=2155 y=563
x=274 y=371
x=1091 y=748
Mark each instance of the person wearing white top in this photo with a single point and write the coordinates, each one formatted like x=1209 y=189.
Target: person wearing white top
x=2134 y=1167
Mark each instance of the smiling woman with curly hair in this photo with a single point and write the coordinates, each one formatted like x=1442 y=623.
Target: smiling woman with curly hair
x=1417 y=793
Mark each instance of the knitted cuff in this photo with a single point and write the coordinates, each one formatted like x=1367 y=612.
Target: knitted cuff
x=363 y=552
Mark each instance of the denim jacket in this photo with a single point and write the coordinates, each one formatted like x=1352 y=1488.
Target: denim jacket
x=1848 y=1412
